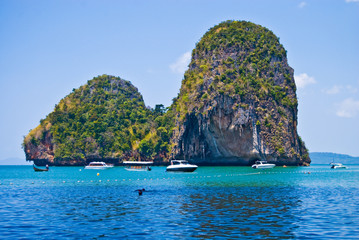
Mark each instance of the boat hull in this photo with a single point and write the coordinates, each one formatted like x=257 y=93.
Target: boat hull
x=337 y=167
x=263 y=166
x=138 y=169
x=98 y=168
x=36 y=169
x=40 y=170
x=181 y=169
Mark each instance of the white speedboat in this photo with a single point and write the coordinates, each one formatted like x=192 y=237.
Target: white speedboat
x=98 y=165
x=181 y=166
x=137 y=166
x=337 y=165
x=263 y=164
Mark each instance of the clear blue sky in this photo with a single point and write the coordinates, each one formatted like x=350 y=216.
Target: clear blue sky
x=47 y=48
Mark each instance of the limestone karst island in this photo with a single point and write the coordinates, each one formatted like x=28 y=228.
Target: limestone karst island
x=237 y=104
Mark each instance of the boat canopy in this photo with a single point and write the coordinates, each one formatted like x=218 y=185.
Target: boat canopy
x=97 y=164
x=261 y=162
x=137 y=163
x=177 y=162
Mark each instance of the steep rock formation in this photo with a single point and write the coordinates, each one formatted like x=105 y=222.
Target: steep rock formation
x=237 y=101
x=105 y=119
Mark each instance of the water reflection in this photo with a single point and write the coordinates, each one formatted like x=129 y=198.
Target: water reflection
x=255 y=212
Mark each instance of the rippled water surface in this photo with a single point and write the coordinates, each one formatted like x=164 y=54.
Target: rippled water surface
x=212 y=203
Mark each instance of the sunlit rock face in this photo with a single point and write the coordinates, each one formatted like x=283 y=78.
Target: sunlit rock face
x=238 y=101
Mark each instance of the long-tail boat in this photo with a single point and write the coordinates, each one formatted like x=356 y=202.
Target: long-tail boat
x=37 y=169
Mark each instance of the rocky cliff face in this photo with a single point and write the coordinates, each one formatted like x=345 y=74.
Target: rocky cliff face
x=237 y=101
x=40 y=151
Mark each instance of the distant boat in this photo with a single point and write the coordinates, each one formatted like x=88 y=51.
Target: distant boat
x=337 y=165
x=98 y=165
x=181 y=166
x=37 y=169
x=263 y=165
x=138 y=165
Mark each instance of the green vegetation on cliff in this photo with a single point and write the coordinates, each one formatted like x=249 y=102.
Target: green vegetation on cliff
x=237 y=59
x=106 y=118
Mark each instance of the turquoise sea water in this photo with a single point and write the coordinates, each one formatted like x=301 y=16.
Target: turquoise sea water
x=211 y=203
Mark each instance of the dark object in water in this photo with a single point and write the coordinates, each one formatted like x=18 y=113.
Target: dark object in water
x=140 y=191
x=37 y=169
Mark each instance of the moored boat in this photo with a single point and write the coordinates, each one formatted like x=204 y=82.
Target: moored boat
x=337 y=165
x=37 y=169
x=263 y=165
x=98 y=165
x=138 y=165
x=181 y=166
